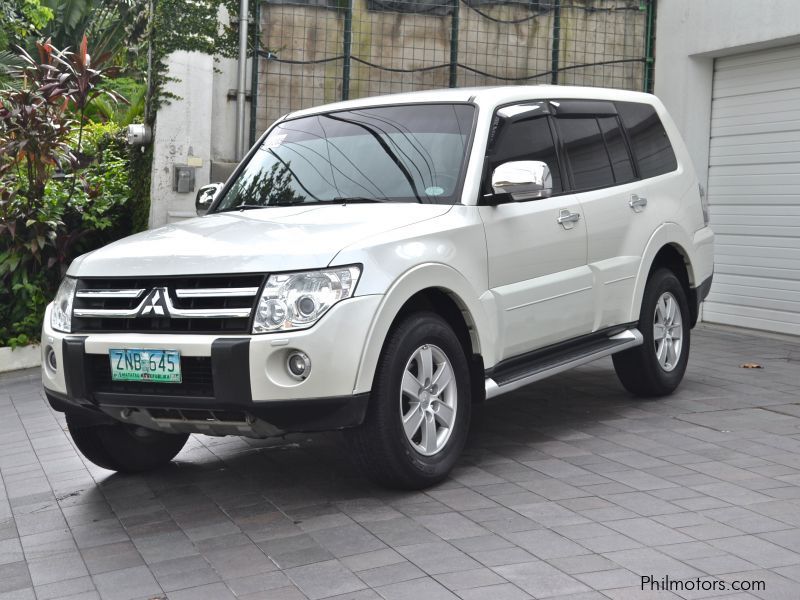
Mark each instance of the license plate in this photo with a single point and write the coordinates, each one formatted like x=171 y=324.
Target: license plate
x=160 y=366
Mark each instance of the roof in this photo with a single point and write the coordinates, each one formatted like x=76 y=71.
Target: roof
x=485 y=96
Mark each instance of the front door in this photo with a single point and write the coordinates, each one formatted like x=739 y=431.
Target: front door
x=537 y=258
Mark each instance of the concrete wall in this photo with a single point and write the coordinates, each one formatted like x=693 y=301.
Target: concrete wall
x=182 y=135
x=519 y=47
x=690 y=34
x=196 y=128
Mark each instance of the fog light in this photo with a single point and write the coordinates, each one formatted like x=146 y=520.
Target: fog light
x=52 y=361
x=299 y=365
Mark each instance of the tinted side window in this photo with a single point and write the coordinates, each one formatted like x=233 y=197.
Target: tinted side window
x=649 y=140
x=586 y=150
x=527 y=140
x=617 y=150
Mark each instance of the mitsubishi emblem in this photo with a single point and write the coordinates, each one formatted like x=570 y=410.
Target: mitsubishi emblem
x=155 y=304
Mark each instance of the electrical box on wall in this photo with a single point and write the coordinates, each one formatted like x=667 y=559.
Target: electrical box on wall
x=183 y=179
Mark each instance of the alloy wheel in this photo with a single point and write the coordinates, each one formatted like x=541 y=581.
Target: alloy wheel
x=667 y=331
x=428 y=400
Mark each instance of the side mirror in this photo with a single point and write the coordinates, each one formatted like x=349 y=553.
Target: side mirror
x=205 y=197
x=523 y=180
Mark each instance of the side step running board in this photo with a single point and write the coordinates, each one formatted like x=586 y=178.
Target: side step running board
x=547 y=365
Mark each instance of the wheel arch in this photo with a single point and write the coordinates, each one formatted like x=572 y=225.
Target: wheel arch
x=436 y=288
x=671 y=248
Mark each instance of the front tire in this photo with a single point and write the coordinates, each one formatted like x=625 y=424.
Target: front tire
x=418 y=417
x=125 y=448
x=656 y=367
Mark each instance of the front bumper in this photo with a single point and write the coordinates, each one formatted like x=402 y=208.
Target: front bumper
x=243 y=376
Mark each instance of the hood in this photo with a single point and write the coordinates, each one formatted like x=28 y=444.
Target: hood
x=253 y=241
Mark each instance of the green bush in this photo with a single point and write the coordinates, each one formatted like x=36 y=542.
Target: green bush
x=78 y=213
x=96 y=206
x=64 y=180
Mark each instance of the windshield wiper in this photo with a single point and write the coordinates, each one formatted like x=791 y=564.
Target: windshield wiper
x=244 y=207
x=336 y=200
x=355 y=200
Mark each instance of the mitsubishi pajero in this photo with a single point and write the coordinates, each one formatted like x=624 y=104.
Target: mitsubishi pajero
x=378 y=266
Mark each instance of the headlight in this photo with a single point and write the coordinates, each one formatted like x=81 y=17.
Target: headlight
x=298 y=300
x=61 y=315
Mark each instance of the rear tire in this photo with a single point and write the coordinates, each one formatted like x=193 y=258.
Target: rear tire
x=419 y=410
x=125 y=448
x=656 y=367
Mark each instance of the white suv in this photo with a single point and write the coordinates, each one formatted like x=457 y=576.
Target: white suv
x=378 y=266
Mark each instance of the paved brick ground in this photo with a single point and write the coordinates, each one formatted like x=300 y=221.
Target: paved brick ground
x=569 y=488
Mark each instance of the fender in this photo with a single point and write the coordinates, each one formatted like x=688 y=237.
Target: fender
x=667 y=234
x=417 y=279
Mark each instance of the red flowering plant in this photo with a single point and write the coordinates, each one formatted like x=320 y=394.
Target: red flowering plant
x=43 y=224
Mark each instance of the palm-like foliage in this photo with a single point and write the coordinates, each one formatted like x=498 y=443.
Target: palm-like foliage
x=116 y=27
x=8 y=61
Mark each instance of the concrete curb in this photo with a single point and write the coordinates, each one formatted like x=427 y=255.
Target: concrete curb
x=24 y=357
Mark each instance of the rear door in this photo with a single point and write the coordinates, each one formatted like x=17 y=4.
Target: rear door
x=623 y=205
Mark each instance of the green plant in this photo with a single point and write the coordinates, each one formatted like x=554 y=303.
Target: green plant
x=140 y=162
x=192 y=26
x=24 y=314
x=72 y=218
x=101 y=109
x=117 y=27
x=34 y=125
x=64 y=183
x=20 y=20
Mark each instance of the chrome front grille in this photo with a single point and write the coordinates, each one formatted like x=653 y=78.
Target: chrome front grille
x=202 y=304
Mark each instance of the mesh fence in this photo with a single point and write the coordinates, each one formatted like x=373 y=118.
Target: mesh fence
x=318 y=51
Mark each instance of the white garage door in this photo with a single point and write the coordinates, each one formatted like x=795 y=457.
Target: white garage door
x=754 y=190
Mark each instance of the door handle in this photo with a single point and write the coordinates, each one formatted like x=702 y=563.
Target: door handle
x=568 y=218
x=637 y=203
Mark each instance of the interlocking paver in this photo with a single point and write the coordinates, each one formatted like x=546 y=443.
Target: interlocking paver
x=502 y=591
x=127 y=584
x=758 y=551
x=71 y=588
x=546 y=544
x=111 y=557
x=473 y=578
x=14 y=576
x=212 y=591
x=61 y=567
x=584 y=489
x=541 y=580
x=324 y=579
x=394 y=573
x=438 y=557
x=416 y=588
x=49 y=543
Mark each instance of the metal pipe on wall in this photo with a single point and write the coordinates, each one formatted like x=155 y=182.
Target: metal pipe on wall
x=649 y=60
x=556 y=49
x=347 y=49
x=254 y=71
x=241 y=90
x=454 y=24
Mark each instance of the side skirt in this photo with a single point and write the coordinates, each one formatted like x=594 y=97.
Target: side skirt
x=546 y=362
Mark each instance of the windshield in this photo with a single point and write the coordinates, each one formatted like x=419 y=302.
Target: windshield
x=410 y=153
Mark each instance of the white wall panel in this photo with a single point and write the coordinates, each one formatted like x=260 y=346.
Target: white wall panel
x=754 y=190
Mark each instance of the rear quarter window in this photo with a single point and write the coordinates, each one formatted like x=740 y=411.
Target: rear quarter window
x=649 y=141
